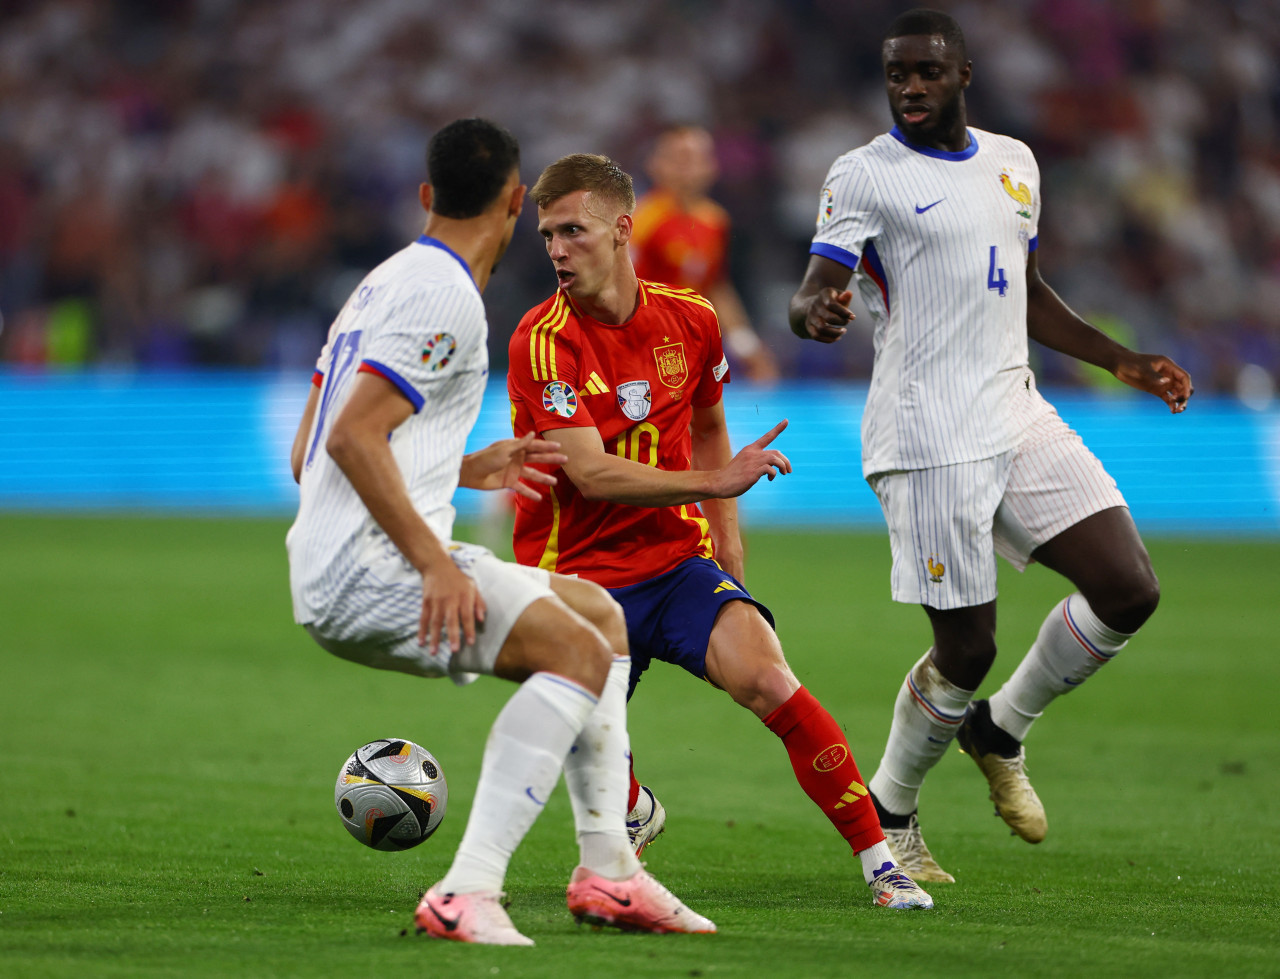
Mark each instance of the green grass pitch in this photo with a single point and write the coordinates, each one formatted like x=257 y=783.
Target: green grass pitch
x=171 y=740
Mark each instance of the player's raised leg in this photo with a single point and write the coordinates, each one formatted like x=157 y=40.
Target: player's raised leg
x=1104 y=557
x=745 y=658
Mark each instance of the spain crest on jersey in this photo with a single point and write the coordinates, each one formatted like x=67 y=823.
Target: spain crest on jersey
x=673 y=370
x=560 y=399
x=635 y=399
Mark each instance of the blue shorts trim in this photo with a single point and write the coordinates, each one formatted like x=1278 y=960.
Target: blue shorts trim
x=670 y=617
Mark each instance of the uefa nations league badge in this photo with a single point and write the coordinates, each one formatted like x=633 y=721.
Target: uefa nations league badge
x=635 y=399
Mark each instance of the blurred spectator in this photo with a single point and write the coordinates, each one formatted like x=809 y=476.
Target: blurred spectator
x=681 y=237
x=199 y=182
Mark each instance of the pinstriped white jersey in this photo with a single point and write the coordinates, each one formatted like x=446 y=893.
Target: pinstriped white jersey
x=418 y=321
x=938 y=242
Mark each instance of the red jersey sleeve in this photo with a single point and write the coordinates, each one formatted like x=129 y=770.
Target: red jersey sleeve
x=542 y=376
x=714 y=372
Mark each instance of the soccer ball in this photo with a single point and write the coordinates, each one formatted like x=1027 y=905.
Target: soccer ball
x=391 y=794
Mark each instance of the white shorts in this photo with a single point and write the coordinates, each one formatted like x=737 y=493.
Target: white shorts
x=374 y=618
x=946 y=525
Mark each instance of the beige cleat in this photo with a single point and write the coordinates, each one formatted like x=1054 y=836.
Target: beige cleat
x=1015 y=800
x=912 y=856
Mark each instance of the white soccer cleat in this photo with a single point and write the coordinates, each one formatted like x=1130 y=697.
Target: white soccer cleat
x=478 y=917
x=646 y=821
x=638 y=903
x=911 y=854
x=894 y=889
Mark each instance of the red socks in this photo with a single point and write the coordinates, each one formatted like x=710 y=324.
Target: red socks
x=825 y=768
x=633 y=793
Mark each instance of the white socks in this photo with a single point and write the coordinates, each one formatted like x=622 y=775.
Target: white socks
x=926 y=716
x=522 y=762
x=876 y=860
x=596 y=774
x=1072 y=645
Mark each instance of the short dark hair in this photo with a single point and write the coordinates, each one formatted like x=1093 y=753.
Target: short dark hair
x=468 y=162
x=925 y=21
x=585 y=171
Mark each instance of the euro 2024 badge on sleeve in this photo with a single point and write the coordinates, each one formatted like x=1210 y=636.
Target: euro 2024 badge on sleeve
x=560 y=399
x=439 y=350
x=635 y=399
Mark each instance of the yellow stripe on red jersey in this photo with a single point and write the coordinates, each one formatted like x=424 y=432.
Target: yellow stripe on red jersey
x=637 y=384
x=542 y=339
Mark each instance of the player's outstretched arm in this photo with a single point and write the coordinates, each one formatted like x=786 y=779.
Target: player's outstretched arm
x=1053 y=323
x=600 y=475
x=820 y=308
x=359 y=445
x=508 y=464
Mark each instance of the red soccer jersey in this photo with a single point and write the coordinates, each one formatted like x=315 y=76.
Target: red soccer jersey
x=638 y=384
x=683 y=248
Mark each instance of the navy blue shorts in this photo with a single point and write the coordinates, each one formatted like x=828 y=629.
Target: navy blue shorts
x=670 y=617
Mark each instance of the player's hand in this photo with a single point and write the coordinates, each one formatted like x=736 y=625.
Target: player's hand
x=827 y=313
x=508 y=464
x=1158 y=375
x=754 y=461
x=451 y=604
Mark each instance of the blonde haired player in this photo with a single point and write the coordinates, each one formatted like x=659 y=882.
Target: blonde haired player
x=626 y=375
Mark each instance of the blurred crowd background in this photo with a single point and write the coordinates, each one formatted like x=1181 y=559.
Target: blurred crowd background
x=202 y=182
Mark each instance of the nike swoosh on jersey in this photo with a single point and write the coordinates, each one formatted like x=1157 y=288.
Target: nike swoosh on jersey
x=622 y=902
x=921 y=210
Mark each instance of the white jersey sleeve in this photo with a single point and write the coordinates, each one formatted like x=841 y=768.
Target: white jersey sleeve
x=848 y=212
x=428 y=338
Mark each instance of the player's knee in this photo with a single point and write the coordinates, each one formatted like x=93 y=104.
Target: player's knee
x=584 y=655
x=1128 y=605
x=604 y=612
x=964 y=659
x=764 y=689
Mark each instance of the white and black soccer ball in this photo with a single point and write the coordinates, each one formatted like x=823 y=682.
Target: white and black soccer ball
x=391 y=794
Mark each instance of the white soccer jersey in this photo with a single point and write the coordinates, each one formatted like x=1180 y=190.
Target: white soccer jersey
x=939 y=242
x=417 y=320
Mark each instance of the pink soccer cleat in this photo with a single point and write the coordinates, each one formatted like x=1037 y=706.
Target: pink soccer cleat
x=478 y=918
x=638 y=903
